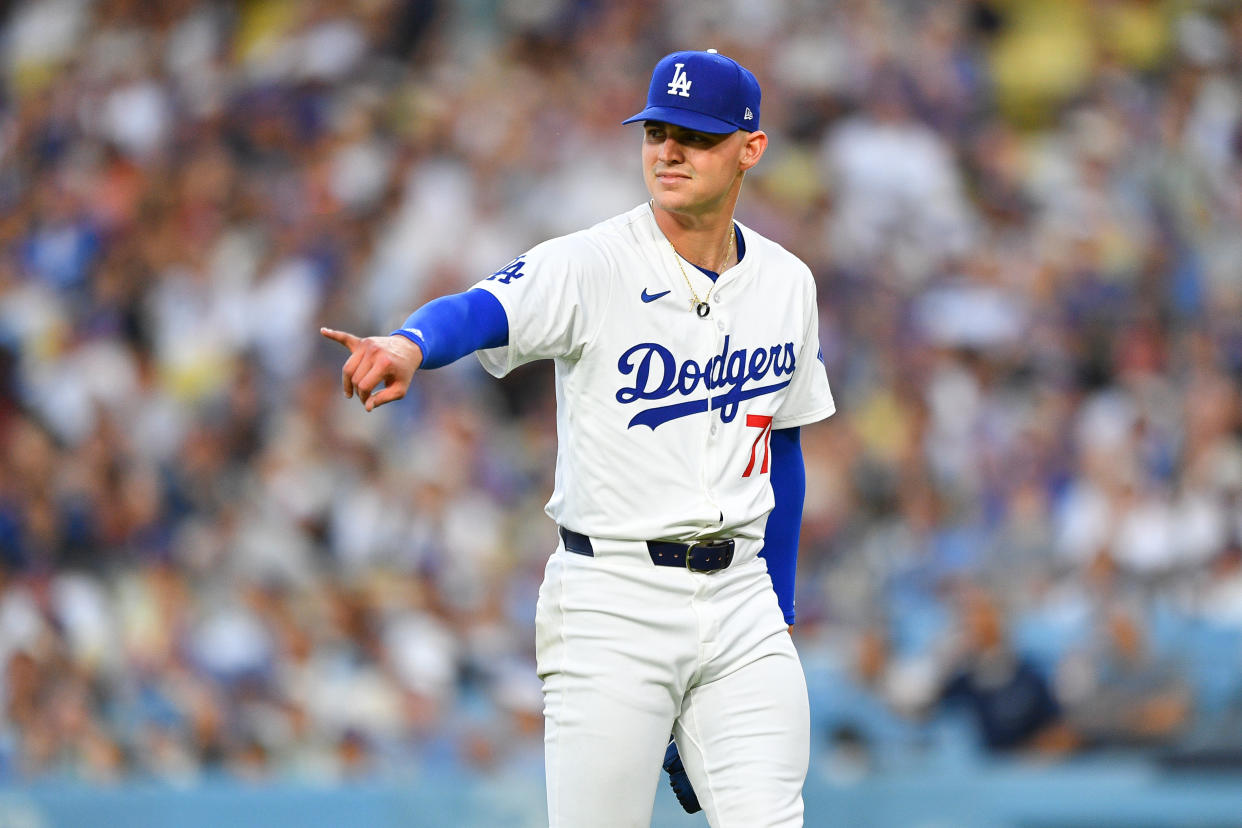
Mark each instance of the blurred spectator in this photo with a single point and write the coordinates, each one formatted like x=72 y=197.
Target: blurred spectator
x=871 y=707
x=1117 y=693
x=1006 y=696
x=896 y=188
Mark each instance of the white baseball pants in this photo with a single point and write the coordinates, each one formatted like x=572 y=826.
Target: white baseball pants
x=630 y=652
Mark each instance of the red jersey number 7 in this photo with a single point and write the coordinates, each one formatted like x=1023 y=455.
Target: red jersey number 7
x=764 y=424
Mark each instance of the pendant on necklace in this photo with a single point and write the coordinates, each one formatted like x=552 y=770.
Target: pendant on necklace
x=702 y=310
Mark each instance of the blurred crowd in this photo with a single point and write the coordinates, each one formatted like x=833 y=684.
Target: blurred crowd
x=1025 y=221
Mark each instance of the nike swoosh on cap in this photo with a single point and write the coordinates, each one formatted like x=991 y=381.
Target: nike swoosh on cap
x=651 y=297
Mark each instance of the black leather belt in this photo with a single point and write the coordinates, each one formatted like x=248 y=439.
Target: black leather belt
x=706 y=556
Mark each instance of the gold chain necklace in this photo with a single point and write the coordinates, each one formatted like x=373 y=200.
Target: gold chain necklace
x=698 y=305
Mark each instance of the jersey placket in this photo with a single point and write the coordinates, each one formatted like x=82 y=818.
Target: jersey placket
x=722 y=440
x=714 y=438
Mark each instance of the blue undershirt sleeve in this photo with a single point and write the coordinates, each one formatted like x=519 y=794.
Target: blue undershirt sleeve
x=780 y=537
x=448 y=328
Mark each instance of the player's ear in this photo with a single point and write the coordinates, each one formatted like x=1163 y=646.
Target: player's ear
x=752 y=150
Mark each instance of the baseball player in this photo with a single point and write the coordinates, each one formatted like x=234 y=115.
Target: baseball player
x=685 y=346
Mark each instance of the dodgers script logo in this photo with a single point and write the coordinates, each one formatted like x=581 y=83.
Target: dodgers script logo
x=658 y=376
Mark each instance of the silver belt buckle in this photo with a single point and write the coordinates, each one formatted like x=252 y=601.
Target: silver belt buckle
x=721 y=544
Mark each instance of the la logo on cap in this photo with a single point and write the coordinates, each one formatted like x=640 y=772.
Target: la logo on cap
x=680 y=85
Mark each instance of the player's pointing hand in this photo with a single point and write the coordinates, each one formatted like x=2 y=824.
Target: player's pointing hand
x=391 y=360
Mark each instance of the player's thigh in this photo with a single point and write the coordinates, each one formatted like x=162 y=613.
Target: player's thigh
x=745 y=742
x=608 y=654
x=602 y=754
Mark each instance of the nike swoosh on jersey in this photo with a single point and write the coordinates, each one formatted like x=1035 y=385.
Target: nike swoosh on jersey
x=651 y=297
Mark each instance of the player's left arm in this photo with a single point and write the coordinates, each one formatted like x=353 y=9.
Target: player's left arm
x=808 y=400
x=780 y=537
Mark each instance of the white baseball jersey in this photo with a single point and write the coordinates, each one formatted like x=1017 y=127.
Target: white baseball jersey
x=663 y=417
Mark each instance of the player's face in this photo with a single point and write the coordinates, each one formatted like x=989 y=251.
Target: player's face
x=696 y=172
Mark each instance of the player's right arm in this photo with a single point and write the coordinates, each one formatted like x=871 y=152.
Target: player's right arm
x=391 y=360
x=440 y=332
x=544 y=297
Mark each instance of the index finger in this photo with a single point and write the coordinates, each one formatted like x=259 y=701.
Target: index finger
x=347 y=339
